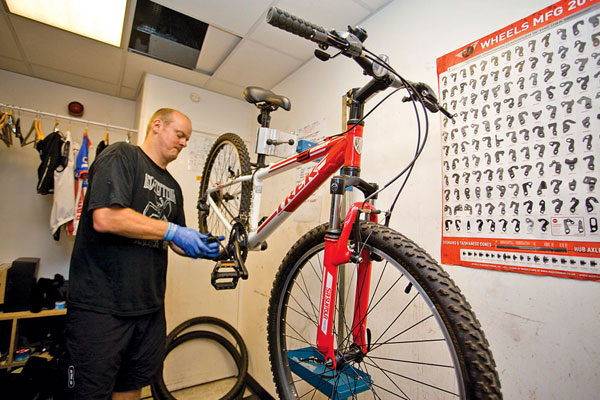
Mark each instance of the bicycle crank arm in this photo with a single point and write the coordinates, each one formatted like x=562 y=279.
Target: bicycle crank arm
x=230 y=266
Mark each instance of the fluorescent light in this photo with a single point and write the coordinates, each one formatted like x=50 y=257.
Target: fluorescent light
x=97 y=19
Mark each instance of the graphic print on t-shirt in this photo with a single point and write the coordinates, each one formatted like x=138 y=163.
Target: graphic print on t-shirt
x=165 y=197
x=159 y=206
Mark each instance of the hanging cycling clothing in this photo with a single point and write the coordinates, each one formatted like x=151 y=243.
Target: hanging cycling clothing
x=63 y=206
x=51 y=153
x=101 y=146
x=81 y=181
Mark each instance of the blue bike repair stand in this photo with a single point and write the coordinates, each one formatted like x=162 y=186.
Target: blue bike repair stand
x=308 y=364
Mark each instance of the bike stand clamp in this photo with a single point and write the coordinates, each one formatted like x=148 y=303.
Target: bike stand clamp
x=308 y=364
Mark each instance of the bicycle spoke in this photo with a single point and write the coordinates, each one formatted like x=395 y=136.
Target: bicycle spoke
x=301 y=339
x=362 y=367
x=404 y=331
x=390 y=392
x=417 y=341
x=413 y=380
x=394 y=321
x=304 y=312
x=410 y=362
x=228 y=211
x=304 y=289
x=388 y=377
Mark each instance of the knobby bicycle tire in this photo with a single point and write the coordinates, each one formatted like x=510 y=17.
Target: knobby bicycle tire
x=227 y=159
x=239 y=342
x=159 y=389
x=425 y=341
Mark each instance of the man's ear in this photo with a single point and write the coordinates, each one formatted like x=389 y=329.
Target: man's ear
x=156 y=124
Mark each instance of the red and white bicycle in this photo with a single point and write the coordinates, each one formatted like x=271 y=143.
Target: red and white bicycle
x=357 y=310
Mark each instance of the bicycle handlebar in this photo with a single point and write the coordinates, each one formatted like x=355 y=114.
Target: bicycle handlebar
x=350 y=44
x=297 y=26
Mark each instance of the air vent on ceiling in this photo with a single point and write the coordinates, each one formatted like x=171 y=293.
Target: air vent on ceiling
x=167 y=35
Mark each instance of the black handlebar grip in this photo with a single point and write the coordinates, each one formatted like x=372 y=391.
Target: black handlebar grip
x=295 y=25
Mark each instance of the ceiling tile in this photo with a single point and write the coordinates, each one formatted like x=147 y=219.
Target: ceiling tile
x=332 y=14
x=136 y=65
x=13 y=65
x=283 y=41
x=61 y=50
x=128 y=93
x=216 y=47
x=8 y=47
x=252 y=64
x=373 y=5
x=237 y=16
x=68 y=78
x=226 y=88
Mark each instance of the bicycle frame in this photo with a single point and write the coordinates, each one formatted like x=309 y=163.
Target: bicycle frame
x=332 y=152
x=344 y=150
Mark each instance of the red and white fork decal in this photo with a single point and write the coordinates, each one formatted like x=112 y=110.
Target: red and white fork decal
x=337 y=253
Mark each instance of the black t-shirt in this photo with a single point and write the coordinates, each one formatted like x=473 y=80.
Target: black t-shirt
x=112 y=273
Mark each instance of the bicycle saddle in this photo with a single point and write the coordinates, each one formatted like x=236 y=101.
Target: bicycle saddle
x=255 y=95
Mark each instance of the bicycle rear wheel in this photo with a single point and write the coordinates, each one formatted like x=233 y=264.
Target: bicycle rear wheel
x=227 y=159
x=425 y=342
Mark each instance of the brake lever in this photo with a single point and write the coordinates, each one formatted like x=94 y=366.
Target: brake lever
x=422 y=92
x=446 y=113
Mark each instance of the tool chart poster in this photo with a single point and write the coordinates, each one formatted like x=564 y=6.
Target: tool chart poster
x=521 y=159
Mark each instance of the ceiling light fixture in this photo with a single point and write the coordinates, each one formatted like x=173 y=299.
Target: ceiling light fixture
x=99 y=20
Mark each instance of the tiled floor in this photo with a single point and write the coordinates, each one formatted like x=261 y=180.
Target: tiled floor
x=207 y=391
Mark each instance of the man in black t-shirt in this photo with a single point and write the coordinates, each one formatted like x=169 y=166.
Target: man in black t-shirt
x=133 y=210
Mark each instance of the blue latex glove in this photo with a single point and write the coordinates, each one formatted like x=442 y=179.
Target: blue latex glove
x=212 y=245
x=193 y=243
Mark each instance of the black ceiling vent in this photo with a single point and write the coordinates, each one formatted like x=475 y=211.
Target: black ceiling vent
x=167 y=35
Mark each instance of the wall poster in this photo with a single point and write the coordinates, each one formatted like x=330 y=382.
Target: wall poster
x=521 y=160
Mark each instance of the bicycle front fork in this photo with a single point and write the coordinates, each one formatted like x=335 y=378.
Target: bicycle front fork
x=337 y=252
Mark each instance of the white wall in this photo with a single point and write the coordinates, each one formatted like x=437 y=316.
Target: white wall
x=189 y=292
x=25 y=215
x=542 y=330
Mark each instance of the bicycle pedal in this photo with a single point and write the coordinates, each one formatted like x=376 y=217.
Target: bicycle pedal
x=225 y=275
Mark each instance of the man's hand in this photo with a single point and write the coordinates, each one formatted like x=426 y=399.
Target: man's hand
x=193 y=243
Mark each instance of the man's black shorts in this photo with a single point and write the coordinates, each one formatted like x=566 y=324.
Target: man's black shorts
x=107 y=353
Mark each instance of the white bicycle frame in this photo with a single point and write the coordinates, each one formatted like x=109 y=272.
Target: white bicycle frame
x=331 y=155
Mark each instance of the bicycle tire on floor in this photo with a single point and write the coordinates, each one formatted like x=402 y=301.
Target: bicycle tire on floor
x=173 y=340
x=161 y=392
x=425 y=341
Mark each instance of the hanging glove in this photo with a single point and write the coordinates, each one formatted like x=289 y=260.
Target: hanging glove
x=193 y=243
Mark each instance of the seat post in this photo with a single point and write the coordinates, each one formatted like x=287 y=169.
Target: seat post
x=264 y=119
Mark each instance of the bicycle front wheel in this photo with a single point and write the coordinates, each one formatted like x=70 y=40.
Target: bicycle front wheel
x=424 y=340
x=227 y=159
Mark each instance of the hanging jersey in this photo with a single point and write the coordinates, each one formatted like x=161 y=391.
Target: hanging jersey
x=50 y=150
x=81 y=181
x=63 y=205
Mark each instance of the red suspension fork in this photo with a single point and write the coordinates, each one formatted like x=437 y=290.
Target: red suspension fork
x=361 y=302
x=336 y=254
